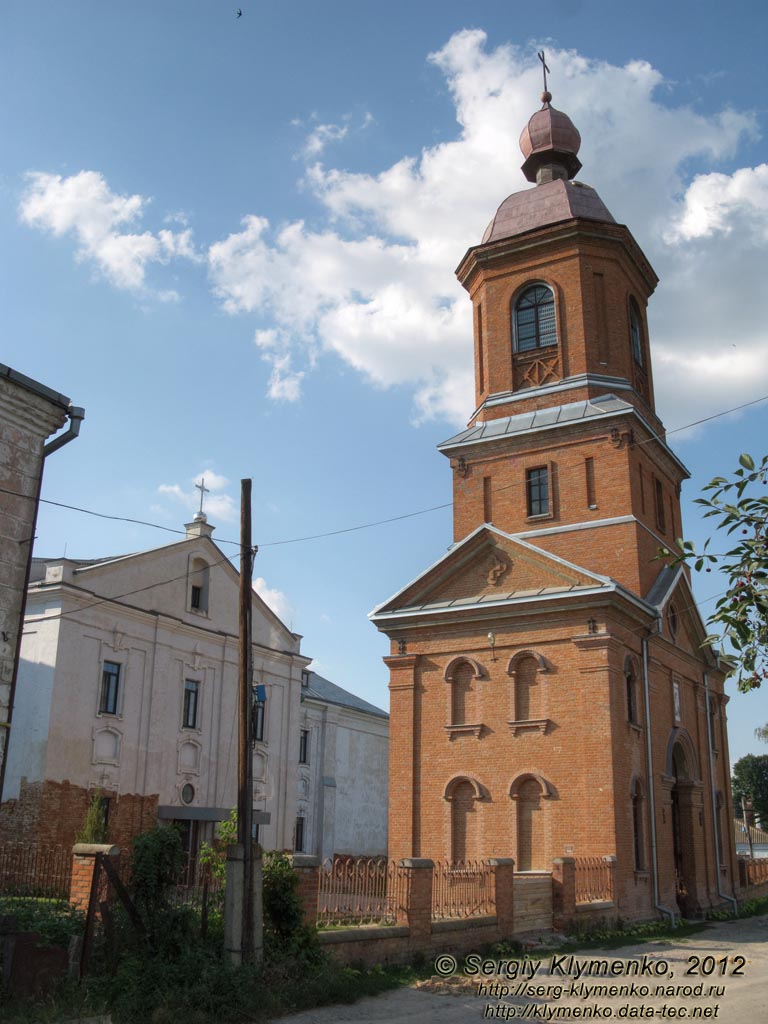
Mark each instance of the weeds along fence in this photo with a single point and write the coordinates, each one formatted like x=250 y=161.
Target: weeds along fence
x=594 y=880
x=40 y=871
x=463 y=889
x=197 y=886
x=359 y=890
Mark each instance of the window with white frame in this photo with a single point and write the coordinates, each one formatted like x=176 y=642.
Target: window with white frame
x=259 y=709
x=190 y=713
x=299 y=838
x=109 y=698
x=304 y=747
x=537 y=491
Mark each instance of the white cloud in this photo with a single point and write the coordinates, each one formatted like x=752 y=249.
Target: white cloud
x=84 y=205
x=275 y=598
x=375 y=285
x=371 y=282
x=217 y=506
x=722 y=203
x=321 y=135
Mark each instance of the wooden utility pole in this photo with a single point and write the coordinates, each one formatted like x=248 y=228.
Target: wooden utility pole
x=244 y=751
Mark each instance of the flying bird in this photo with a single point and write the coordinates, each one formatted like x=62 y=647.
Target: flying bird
x=239 y=13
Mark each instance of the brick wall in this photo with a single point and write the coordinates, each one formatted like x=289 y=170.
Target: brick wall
x=26 y=420
x=52 y=813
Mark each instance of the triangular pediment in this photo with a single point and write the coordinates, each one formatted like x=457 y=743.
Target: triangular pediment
x=490 y=566
x=681 y=620
x=158 y=580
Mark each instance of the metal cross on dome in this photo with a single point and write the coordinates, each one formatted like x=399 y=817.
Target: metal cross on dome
x=203 y=491
x=544 y=67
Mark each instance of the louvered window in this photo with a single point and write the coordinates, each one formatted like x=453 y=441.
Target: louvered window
x=535 y=325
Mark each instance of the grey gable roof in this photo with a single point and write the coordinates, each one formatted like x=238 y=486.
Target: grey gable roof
x=39 y=565
x=328 y=692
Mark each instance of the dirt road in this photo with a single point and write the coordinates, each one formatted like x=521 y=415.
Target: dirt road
x=719 y=974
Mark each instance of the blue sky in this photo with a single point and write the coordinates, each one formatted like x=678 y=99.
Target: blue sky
x=233 y=241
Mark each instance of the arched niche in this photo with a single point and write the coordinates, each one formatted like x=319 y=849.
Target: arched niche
x=681 y=762
x=106 y=746
x=545 y=789
x=452 y=666
x=478 y=790
x=189 y=756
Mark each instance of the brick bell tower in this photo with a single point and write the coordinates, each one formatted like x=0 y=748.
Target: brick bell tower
x=550 y=694
x=564 y=438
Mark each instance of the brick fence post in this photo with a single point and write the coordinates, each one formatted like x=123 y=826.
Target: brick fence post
x=83 y=865
x=417 y=912
x=563 y=890
x=743 y=876
x=504 y=885
x=307 y=869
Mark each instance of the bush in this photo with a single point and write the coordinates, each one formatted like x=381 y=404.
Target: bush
x=56 y=921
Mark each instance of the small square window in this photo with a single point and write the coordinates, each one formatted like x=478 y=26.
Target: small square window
x=191 y=704
x=537 y=491
x=304 y=747
x=110 y=688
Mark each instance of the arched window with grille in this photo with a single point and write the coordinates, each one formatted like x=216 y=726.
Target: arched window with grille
x=636 y=332
x=535 y=325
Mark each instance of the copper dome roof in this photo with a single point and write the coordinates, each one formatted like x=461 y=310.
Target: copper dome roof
x=550 y=137
x=546 y=204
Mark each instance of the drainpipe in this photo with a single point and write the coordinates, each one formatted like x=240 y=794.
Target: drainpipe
x=715 y=821
x=76 y=416
x=651 y=790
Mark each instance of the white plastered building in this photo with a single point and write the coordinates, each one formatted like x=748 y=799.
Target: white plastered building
x=128 y=684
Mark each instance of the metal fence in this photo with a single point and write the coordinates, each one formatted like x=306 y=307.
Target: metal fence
x=359 y=890
x=41 y=871
x=594 y=880
x=463 y=889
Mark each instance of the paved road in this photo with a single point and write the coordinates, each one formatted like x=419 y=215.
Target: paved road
x=740 y=996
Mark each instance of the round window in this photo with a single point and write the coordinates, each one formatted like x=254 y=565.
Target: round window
x=187 y=793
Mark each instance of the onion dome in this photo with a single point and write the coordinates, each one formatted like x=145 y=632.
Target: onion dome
x=549 y=143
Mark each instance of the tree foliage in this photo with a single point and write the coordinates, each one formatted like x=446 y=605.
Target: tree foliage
x=750 y=780
x=740 y=509
x=95 y=828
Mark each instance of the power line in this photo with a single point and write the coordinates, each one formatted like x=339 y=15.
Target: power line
x=130 y=593
x=363 y=526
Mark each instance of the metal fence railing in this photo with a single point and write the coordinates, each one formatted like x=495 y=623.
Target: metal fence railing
x=463 y=889
x=359 y=890
x=42 y=871
x=594 y=879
